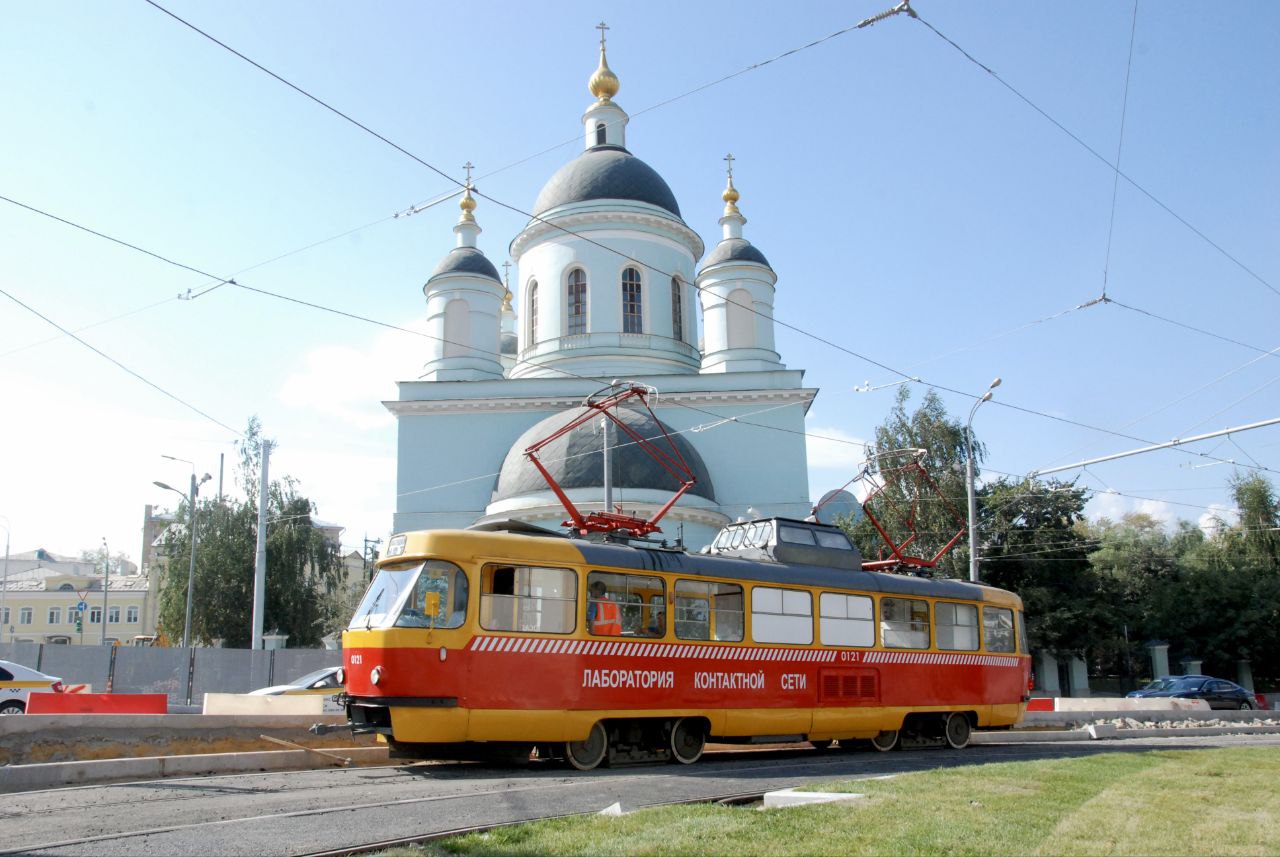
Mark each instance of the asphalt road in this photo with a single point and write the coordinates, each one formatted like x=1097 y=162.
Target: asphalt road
x=310 y=811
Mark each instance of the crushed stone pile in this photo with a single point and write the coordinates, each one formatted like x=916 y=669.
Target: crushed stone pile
x=1131 y=723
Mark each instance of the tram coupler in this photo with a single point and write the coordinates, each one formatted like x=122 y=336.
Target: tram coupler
x=326 y=728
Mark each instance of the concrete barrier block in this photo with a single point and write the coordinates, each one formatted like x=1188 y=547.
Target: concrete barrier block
x=34 y=738
x=1101 y=730
x=98 y=703
x=15 y=778
x=1104 y=703
x=784 y=798
x=247 y=704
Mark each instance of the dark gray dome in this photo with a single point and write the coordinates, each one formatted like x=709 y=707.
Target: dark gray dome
x=735 y=250
x=576 y=459
x=466 y=260
x=606 y=172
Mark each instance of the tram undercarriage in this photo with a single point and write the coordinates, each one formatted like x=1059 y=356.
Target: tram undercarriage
x=640 y=741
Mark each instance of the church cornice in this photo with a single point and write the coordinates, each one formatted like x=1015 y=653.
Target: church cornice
x=565 y=224
x=553 y=403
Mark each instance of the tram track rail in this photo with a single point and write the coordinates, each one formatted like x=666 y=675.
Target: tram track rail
x=305 y=813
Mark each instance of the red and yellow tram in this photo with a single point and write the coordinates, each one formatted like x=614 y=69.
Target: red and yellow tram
x=597 y=651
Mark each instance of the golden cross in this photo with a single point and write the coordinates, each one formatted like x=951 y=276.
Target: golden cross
x=729 y=159
x=468 y=166
x=602 y=26
x=506 y=272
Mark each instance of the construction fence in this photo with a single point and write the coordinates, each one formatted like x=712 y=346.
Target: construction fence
x=184 y=675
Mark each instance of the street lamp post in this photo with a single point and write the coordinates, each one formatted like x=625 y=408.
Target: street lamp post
x=973 y=503
x=191 y=527
x=106 y=582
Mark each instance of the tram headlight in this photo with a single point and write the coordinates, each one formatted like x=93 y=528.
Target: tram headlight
x=341 y=676
x=375 y=675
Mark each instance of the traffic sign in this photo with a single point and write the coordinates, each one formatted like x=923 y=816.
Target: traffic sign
x=82 y=606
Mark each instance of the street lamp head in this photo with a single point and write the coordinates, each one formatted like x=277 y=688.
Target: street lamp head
x=205 y=478
x=986 y=397
x=165 y=487
x=994 y=384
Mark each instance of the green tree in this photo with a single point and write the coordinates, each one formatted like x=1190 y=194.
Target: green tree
x=1215 y=597
x=1257 y=536
x=906 y=506
x=1034 y=546
x=302 y=565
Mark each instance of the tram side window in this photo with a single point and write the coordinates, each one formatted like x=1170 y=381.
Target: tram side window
x=795 y=535
x=997 y=629
x=846 y=620
x=628 y=605
x=1022 y=632
x=957 y=626
x=439 y=598
x=526 y=598
x=781 y=615
x=708 y=611
x=904 y=623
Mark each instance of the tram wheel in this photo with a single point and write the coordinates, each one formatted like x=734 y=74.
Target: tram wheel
x=958 y=731
x=885 y=741
x=589 y=753
x=688 y=739
x=820 y=745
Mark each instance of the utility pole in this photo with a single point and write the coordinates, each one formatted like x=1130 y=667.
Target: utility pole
x=260 y=564
x=370 y=555
x=5 y=585
x=968 y=466
x=192 y=500
x=106 y=574
x=608 y=471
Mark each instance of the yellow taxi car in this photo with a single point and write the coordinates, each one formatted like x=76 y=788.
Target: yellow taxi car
x=16 y=684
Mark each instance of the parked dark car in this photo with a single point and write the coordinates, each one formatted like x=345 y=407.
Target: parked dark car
x=1161 y=683
x=1219 y=693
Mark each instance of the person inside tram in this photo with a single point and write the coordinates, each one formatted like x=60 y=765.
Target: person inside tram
x=603 y=615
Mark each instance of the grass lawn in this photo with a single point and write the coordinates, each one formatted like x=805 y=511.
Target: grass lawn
x=1217 y=801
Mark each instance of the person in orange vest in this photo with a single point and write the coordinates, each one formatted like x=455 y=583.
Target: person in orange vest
x=602 y=612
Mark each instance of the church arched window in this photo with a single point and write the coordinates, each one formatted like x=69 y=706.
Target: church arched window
x=533 y=312
x=632 y=308
x=600 y=134
x=677 y=310
x=577 y=320
x=742 y=323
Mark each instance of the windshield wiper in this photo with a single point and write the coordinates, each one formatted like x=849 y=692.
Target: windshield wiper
x=368 y=615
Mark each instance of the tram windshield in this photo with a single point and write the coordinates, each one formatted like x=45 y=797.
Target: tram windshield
x=428 y=595
x=383 y=599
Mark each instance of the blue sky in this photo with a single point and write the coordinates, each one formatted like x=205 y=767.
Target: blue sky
x=915 y=210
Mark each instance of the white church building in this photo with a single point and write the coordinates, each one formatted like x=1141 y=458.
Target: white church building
x=610 y=278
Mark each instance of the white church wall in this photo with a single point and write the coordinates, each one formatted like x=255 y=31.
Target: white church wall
x=737 y=306
x=550 y=261
x=441 y=449
x=752 y=467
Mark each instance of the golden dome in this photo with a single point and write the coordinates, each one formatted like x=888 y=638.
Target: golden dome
x=730 y=197
x=467 y=204
x=506 y=301
x=604 y=84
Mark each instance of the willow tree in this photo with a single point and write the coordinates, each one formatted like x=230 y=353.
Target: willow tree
x=302 y=564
